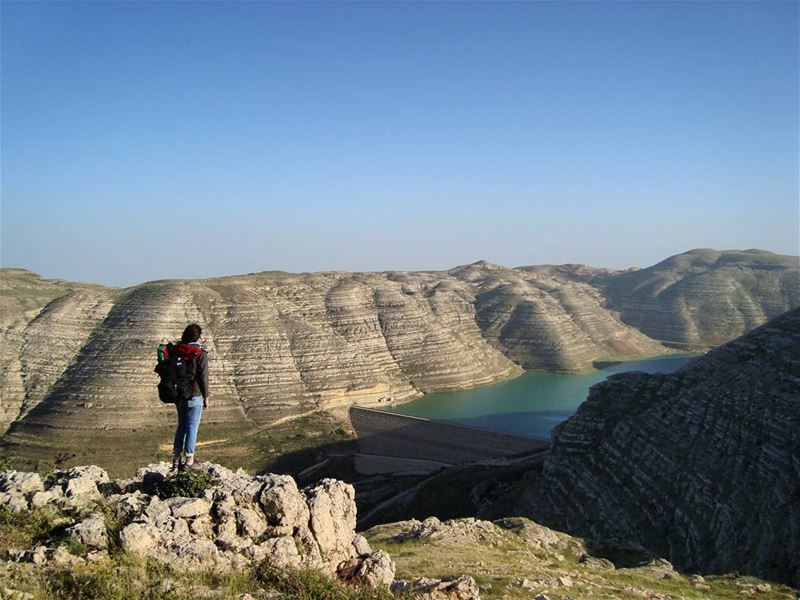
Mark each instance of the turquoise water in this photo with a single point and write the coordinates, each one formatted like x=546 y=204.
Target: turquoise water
x=531 y=404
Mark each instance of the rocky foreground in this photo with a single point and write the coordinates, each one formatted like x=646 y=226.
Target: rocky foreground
x=222 y=534
x=235 y=523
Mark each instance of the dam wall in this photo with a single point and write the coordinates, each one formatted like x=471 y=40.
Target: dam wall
x=389 y=434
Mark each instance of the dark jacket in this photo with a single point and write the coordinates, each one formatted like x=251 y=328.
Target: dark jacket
x=195 y=351
x=201 y=376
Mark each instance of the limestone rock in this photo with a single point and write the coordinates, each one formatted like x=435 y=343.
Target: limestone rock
x=187 y=508
x=250 y=523
x=139 y=539
x=41 y=499
x=61 y=557
x=280 y=553
x=157 y=512
x=79 y=484
x=225 y=530
x=450 y=532
x=536 y=535
x=374 y=570
x=457 y=588
x=332 y=521
x=361 y=545
x=16 y=503
x=283 y=503
x=15 y=482
x=91 y=532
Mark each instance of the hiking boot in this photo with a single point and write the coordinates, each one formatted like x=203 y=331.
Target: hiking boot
x=194 y=468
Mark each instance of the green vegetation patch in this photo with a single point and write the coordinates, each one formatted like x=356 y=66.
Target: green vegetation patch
x=28 y=529
x=312 y=585
x=507 y=566
x=186 y=484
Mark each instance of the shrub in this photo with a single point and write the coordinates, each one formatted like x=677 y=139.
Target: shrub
x=186 y=484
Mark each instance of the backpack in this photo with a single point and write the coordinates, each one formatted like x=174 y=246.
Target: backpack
x=177 y=370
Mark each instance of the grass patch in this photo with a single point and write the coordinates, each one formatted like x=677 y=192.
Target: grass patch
x=312 y=585
x=29 y=529
x=503 y=562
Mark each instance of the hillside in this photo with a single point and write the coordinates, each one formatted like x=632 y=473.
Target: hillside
x=700 y=466
x=78 y=359
x=705 y=297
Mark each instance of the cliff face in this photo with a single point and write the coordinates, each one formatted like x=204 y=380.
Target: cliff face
x=701 y=466
x=705 y=297
x=79 y=357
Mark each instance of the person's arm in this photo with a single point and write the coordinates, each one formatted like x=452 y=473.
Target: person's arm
x=202 y=375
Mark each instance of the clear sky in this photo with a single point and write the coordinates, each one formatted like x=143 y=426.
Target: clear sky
x=183 y=139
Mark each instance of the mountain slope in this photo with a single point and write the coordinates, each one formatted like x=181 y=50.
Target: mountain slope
x=705 y=297
x=701 y=466
x=78 y=359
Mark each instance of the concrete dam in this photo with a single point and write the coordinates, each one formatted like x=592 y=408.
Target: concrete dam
x=426 y=445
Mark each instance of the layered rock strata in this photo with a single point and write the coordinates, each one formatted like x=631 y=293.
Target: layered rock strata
x=705 y=297
x=79 y=358
x=701 y=466
x=43 y=326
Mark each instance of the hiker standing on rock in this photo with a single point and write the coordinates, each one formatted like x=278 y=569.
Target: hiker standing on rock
x=185 y=384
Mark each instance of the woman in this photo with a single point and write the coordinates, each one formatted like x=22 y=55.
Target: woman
x=190 y=348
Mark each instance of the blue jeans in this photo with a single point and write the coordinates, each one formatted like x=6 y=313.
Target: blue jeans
x=189 y=412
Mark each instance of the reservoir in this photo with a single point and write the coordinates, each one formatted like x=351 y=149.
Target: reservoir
x=531 y=404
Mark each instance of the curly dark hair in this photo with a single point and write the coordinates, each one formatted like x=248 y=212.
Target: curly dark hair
x=191 y=333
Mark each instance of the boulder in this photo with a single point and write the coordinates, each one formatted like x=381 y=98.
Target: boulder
x=374 y=570
x=332 y=521
x=462 y=587
x=157 y=512
x=283 y=504
x=41 y=499
x=91 y=532
x=280 y=553
x=79 y=484
x=250 y=523
x=202 y=526
x=61 y=557
x=17 y=503
x=139 y=539
x=187 y=508
x=361 y=545
x=16 y=482
x=128 y=506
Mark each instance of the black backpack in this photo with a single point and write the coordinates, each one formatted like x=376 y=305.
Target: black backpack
x=177 y=375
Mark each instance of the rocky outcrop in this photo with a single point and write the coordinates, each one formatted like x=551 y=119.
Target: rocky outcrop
x=705 y=297
x=77 y=359
x=239 y=521
x=701 y=466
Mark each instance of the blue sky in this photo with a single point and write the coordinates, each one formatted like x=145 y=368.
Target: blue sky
x=149 y=140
